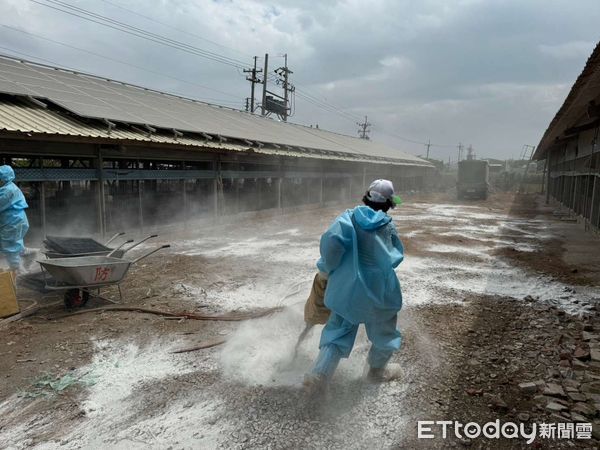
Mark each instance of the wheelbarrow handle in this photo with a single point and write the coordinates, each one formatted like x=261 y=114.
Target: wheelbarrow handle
x=150 y=253
x=140 y=242
x=117 y=248
x=114 y=237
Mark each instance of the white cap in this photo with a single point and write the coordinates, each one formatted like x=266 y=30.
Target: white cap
x=380 y=191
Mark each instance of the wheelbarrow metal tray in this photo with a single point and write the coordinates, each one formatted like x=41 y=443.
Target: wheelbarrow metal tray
x=87 y=270
x=66 y=247
x=74 y=245
x=54 y=255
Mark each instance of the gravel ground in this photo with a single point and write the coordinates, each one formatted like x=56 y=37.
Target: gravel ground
x=489 y=303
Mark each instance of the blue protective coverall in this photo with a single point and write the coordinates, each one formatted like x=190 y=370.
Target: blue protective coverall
x=359 y=253
x=13 y=221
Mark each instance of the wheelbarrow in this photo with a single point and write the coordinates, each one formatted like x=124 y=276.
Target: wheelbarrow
x=79 y=275
x=68 y=247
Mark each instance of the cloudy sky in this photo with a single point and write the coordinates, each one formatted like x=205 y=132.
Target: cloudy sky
x=490 y=73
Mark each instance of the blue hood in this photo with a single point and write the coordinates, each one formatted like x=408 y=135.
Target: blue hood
x=369 y=219
x=7 y=174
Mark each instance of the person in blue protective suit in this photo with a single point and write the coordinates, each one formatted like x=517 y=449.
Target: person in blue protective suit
x=13 y=221
x=359 y=253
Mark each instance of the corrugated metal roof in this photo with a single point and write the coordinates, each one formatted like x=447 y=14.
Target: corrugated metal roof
x=574 y=109
x=19 y=115
x=98 y=98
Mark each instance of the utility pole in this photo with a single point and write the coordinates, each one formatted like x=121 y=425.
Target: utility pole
x=284 y=74
x=470 y=152
x=428 y=145
x=247 y=104
x=263 y=106
x=253 y=80
x=460 y=149
x=272 y=102
x=286 y=87
x=363 y=130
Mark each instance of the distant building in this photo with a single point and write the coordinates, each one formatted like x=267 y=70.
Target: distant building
x=570 y=147
x=496 y=169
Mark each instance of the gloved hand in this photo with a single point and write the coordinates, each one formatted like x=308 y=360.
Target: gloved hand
x=315 y=311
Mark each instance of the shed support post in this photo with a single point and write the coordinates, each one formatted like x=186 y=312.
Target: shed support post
x=185 y=205
x=594 y=201
x=237 y=194
x=236 y=181
x=279 y=192
x=574 y=192
x=548 y=187
x=140 y=207
x=562 y=190
x=217 y=186
x=259 y=193
x=364 y=183
x=100 y=195
x=350 y=188
x=216 y=197
x=184 y=199
x=321 y=191
x=43 y=207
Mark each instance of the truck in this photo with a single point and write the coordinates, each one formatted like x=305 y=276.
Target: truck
x=473 y=179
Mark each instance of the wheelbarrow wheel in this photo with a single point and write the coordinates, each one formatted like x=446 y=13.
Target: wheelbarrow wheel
x=75 y=298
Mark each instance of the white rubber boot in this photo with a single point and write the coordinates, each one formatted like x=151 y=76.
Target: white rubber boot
x=392 y=371
x=314 y=385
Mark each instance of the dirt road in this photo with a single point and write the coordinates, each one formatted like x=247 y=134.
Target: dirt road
x=493 y=297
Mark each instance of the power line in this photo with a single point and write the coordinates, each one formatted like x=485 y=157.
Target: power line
x=325 y=106
x=402 y=138
x=175 y=28
x=99 y=55
x=413 y=141
x=137 y=29
x=311 y=98
x=341 y=110
x=350 y=117
x=138 y=32
x=318 y=105
x=145 y=33
x=328 y=105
